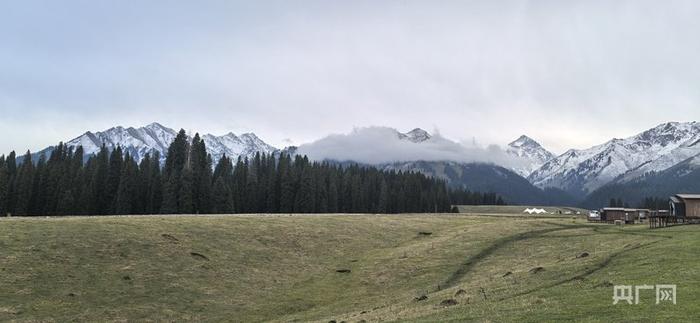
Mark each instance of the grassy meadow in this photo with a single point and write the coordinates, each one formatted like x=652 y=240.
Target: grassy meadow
x=351 y=268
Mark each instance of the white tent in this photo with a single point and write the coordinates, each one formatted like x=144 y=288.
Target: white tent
x=535 y=211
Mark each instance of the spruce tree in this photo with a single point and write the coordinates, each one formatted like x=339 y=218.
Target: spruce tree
x=116 y=159
x=223 y=199
x=4 y=182
x=98 y=182
x=155 y=186
x=305 y=198
x=222 y=194
x=11 y=171
x=383 y=199
x=126 y=192
x=175 y=163
x=321 y=189
x=287 y=185
x=24 y=185
x=240 y=184
x=273 y=186
x=186 y=199
x=333 y=190
x=200 y=164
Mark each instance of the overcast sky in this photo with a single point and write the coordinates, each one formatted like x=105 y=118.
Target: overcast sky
x=570 y=74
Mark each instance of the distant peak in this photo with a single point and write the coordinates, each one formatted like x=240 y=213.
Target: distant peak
x=418 y=130
x=154 y=125
x=416 y=135
x=229 y=134
x=249 y=135
x=523 y=140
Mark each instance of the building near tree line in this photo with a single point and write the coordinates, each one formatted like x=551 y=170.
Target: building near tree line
x=685 y=206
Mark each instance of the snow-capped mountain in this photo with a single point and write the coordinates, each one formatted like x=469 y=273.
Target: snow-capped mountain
x=683 y=177
x=245 y=145
x=529 y=154
x=654 y=150
x=416 y=135
x=156 y=137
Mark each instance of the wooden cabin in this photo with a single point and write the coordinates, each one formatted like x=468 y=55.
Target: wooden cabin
x=686 y=206
x=627 y=215
x=612 y=214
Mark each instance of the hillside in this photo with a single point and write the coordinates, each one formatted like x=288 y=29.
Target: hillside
x=318 y=268
x=529 y=154
x=580 y=172
x=484 y=177
x=681 y=178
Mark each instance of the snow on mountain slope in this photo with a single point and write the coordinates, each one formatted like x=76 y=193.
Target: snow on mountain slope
x=530 y=154
x=245 y=145
x=137 y=142
x=657 y=149
x=156 y=137
x=416 y=135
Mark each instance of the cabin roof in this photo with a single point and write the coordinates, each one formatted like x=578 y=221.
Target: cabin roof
x=623 y=209
x=614 y=209
x=689 y=196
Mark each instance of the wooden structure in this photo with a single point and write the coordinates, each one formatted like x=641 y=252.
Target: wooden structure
x=685 y=206
x=682 y=208
x=626 y=215
x=662 y=218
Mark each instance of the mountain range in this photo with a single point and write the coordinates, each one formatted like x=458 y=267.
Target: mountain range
x=581 y=172
x=655 y=162
x=157 y=138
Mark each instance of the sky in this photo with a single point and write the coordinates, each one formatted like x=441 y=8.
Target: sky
x=570 y=74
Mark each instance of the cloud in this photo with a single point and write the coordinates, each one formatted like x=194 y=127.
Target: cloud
x=565 y=72
x=381 y=145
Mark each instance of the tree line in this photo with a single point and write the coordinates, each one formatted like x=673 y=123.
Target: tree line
x=649 y=202
x=465 y=197
x=113 y=182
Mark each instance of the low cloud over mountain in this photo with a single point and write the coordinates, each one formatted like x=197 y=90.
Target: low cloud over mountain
x=383 y=145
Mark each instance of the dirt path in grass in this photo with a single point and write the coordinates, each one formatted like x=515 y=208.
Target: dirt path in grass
x=469 y=264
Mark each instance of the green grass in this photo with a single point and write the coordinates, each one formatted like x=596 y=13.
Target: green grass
x=283 y=268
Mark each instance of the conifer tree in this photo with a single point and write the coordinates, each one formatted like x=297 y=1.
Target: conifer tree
x=239 y=185
x=222 y=195
x=186 y=197
x=98 y=182
x=333 y=191
x=273 y=187
x=201 y=169
x=223 y=199
x=383 y=199
x=321 y=189
x=305 y=198
x=11 y=171
x=126 y=192
x=154 y=193
x=287 y=187
x=24 y=185
x=4 y=182
x=175 y=163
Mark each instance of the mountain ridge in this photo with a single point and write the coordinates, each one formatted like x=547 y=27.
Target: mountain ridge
x=155 y=137
x=577 y=172
x=583 y=171
x=531 y=154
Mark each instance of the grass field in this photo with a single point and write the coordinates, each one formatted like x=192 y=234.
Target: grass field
x=285 y=269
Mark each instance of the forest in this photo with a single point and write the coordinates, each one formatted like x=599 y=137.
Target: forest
x=112 y=182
